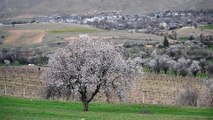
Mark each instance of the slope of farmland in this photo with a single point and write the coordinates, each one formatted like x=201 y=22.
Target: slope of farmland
x=152 y=89
x=24 y=37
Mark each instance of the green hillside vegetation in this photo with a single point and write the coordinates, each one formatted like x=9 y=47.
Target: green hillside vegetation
x=74 y=30
x=12 y=108
x=209 y=27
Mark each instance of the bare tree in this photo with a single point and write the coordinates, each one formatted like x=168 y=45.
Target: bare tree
x=88 y=66
x=206 y=98
x=188 y=96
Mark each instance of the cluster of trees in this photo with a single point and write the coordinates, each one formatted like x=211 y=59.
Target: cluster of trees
x=22 y=56
x=206 y=40
x=125 y=23
x=87 y=67
x=154 y=23
x=181 y=66
x=190 y=51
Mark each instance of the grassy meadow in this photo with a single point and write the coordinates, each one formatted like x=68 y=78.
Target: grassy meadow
x=12 y=108
x=209 y=27
x=74 y=30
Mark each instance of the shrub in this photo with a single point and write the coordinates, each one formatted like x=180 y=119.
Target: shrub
x=202 y=64
x=165 y=42
x=209 y=69
x=194 y=68
x=206 y=99
x=188 y=97
x=182 y=71
x=6 y=62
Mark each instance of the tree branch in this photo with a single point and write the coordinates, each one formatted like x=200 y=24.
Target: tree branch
x=96 y=91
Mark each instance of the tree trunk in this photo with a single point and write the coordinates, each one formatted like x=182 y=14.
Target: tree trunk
x=85 y=105
x=165 y=71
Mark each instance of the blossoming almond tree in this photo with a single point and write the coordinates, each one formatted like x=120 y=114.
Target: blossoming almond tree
x=88 y=66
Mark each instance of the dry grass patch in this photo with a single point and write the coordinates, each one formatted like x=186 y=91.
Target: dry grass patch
x=24 y=37
x=186 y=31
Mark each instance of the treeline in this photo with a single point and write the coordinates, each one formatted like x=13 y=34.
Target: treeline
x=22 y=56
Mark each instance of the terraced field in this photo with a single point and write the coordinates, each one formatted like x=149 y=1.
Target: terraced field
x=151 y=89
x=48 y=35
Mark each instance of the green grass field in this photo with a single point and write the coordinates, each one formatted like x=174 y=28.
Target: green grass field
x=74 y=30
x=12 y=108
x=209 y=27
x=183 y=39
x=210 y=47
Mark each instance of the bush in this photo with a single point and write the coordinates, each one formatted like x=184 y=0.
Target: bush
x=209 y=69
x=165 y=42
x=6 y=62
x=191 y=37
x=194 y=68
x=187 y=97
x=182 y=71
x=53 y=92
x=206 y=99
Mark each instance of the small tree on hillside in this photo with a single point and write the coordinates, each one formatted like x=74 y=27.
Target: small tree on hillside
x=207 y=97
x=165 y=42
x=7 y=62
x=209 y=69
x=154 y=54
x=173 y=66
x=174 y=35
x=203 y=64
x=164 y=62
x=194 y=68
x=154 y=66
x=183 y=65
x=188 y=96
x=191 y=37
x=88 y=66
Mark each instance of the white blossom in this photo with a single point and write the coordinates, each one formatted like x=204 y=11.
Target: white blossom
x=194 y=67
x=88 y=66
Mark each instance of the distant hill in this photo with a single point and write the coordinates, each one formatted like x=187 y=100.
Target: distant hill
x=11 y=8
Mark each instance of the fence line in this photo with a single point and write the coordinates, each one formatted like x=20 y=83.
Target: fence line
x=152 y=89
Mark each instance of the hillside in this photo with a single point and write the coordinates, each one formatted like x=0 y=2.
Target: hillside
x=27 y=8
